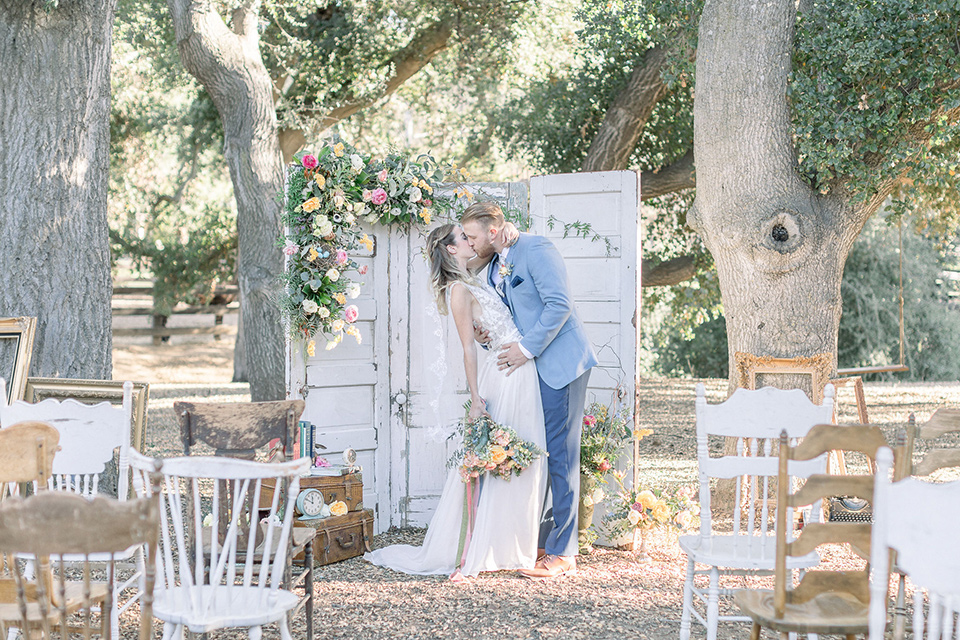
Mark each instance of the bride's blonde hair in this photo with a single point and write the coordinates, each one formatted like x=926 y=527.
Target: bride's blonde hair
x=443 y=266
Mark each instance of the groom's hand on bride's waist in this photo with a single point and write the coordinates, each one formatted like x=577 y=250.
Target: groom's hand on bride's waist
x=511 y=357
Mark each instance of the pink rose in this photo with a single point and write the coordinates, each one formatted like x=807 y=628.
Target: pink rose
x=379 y=196
x=309 y=162
x=290 y=249
x=341 y=257
x=367 y=194
x=589 y=421
x=362 y=270
x=427 y=202
x=382 y=177
x=351 y=313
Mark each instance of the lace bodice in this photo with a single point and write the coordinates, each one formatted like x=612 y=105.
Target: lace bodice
x=495 y=315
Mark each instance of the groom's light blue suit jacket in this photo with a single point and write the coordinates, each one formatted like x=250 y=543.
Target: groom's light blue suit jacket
x=539 y=298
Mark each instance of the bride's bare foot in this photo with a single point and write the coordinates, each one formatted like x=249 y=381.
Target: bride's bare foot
x=456 y=576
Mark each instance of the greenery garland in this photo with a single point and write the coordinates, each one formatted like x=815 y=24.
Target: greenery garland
x=329 y=196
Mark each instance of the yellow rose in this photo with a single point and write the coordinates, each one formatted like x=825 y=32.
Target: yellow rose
x=339 y=507
x=312 y=348
x=312 y=204
x=646 y=499
x=339 y=297
x=497 y=454
x=337 y=326
x=661 y=511
x=320 y=180
x=338 y=149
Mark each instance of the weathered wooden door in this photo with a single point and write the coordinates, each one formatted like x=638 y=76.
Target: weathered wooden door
x=379 y=397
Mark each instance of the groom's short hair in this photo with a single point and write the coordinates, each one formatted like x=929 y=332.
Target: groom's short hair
x=487 y=214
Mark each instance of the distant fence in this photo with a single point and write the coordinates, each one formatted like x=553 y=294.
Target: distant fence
x=136 y=299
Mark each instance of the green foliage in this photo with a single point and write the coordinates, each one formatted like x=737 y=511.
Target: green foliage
x=603 y=435
x=869 y=84
x=869 y=328
x=187 y=255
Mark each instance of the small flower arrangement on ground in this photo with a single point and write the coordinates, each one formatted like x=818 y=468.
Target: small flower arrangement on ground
x=328 y=195
x=641 y=508
x=603 y=435
x=489 y=447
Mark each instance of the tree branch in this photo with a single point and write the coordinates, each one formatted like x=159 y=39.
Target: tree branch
x=406 y=62
x=668 y=272
x=623 y=123
x=678 y=176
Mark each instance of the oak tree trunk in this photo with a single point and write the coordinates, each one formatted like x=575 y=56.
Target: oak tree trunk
x=54 y=144
x=779 y=246
x=229 y=65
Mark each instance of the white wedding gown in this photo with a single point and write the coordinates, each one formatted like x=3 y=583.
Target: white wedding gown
x=508 y=513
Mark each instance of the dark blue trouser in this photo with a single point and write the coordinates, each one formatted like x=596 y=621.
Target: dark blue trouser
x=563 y=417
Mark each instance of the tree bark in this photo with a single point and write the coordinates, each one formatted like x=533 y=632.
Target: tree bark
x=54 y=145
x=676 y=177
x=623 y=123
x=668 y=272
x=230 y=67
x=779 y=246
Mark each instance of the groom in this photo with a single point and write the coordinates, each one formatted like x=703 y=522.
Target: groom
x=529 y=274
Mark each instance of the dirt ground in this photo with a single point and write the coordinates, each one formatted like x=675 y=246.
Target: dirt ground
x=612 y=596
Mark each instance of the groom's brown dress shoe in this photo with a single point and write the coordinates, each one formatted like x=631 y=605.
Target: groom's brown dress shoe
x=551 y=567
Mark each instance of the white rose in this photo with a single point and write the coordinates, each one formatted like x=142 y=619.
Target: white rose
x=349 y=218
x=310 y=306
x=337 y=326
x=633 y=517
x=323 y=312
x=358 y=207
x=333 y=274
x=597 y=495
x=356 y=162
x=587 y=501
x=415 y=194
x=353 y=290
x=323 y=227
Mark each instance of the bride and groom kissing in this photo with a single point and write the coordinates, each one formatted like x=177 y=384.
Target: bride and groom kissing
x=531 y=375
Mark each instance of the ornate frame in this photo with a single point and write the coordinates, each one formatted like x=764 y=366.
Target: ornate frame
x=818 y=367
x=23 y=330
x=92 y=392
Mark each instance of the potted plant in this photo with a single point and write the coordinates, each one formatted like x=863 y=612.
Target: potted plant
x=603 y=435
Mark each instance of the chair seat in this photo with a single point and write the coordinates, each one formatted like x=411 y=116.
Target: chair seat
x=741 y=552
x=235 y=607
x=74 y=596
x=833 y=613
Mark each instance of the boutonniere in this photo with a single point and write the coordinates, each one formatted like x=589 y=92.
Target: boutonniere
x=506 y=269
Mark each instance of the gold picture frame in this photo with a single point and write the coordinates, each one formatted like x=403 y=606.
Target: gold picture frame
x=818 y=367
x=22 y=330
x=93 y=392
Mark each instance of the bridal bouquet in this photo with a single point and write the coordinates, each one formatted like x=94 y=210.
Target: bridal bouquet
x=489 y=447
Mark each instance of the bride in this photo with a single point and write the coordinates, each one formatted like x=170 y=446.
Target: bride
x=508 y=512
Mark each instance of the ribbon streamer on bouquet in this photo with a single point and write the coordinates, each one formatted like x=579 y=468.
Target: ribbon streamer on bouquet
x=471 y=495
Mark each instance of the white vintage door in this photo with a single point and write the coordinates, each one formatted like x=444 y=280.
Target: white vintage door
x=604 y=287
x=603 y=278
x=346 y=389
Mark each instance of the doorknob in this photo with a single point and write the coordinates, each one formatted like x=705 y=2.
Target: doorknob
x=400 y=398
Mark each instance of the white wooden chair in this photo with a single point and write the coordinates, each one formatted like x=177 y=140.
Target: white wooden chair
x=89 y=436
x=755 y=419
x=216 y=574
x=53 y=525
x=918 y=520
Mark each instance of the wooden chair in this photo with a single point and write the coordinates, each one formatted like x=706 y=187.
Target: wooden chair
x=919 y=522
x=755 y=419
x=26 y=456
x=89 y=437
x=823 y=602
x=51 y=526
x=207 y=580
x=936 y=458
x=239 y=430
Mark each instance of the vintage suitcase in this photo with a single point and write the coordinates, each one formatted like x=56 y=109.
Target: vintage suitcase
x=347 y=488
x=339 y=537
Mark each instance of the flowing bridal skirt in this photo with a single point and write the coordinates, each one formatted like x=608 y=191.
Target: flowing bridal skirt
x=508 y=512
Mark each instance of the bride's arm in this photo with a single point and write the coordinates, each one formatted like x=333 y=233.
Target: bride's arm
x=461 y=306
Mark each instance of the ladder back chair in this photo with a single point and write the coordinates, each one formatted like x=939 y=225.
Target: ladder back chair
x=51 y=526
x=210 y=576
x=239 y=430
x=755 y=418
x=89 y=437
x=937 y=455
x=918 y=521
x=823 y=601
x=26 y=456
